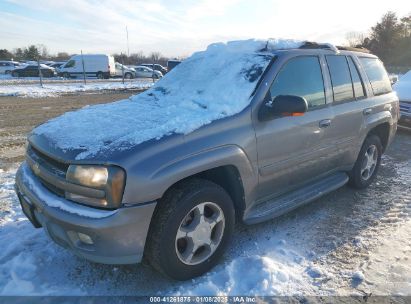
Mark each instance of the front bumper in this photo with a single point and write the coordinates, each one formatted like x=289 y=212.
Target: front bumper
x=405 y=114
x=118 y=237
x=405 y=120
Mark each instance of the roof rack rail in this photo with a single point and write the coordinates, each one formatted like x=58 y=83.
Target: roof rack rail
x=315 y=45
x=354 y=49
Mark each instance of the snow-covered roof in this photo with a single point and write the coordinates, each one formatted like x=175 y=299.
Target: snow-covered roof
x=209 y=85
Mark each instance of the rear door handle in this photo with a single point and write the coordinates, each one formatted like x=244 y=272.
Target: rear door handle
x=367 y=111
x=325 y=123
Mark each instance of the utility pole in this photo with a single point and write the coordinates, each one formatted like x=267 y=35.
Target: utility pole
x=84 y=71
x=128 y=48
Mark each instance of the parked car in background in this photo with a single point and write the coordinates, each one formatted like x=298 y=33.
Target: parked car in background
x=95 y=65
x=33 y=71
x=171 y=64
x=155 y=66
x=166 y=174
x=6 y=67
x=145 y=72
x=58 y=65
x=129 y=73
x=403 y=89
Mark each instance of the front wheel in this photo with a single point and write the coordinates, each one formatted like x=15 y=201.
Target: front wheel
x=367 y=164
x=15 y=74
x=190 y=230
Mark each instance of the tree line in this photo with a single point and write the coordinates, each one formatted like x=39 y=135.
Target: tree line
x=35 y=52
x=389 y=39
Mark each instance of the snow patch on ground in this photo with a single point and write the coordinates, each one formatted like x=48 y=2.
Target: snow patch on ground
x=347 y=243
x=52 y=90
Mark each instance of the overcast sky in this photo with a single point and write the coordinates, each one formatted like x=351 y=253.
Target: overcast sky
x=178 y=28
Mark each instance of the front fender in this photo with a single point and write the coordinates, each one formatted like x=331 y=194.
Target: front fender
x=157 y=183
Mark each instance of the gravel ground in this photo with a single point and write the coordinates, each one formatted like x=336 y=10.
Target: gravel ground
x=19 y=115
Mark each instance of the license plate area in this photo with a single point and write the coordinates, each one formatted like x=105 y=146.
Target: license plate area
x=28 y=210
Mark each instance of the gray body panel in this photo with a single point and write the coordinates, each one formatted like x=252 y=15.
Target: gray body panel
x=273 y=157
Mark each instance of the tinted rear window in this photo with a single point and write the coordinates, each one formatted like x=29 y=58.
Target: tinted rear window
x=340 y=78
x=377 y=75
x=356 y=79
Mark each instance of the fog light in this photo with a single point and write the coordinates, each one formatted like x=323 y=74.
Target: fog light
x=85 y=238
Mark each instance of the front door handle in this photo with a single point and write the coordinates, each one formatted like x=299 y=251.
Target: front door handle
x=367 y=111
x=325 y=123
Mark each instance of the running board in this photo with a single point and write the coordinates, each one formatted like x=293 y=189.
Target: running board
x=287 y=202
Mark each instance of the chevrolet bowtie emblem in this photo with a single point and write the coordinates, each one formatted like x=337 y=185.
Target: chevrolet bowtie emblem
x=36 y=168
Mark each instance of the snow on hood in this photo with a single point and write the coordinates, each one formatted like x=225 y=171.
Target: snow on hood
x=209 y=85
x=403 y=87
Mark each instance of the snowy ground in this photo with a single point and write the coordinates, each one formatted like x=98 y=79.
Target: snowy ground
x=56 y=89
x=347 y=243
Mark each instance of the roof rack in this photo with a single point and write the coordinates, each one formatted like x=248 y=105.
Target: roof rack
x=315 y=45
x=354 y=49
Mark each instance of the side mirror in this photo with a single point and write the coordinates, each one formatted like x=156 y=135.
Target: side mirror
x=284 y=105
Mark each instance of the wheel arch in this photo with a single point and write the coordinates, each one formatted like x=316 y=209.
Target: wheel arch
x=383 y=132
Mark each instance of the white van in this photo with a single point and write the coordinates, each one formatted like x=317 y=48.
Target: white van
x=95 y=65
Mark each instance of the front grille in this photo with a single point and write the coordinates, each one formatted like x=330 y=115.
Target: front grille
x=405 y=107
x=51 y=165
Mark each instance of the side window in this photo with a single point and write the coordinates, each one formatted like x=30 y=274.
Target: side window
x=377 y=75
x=70 y=64
x=340 y=78
x=301 y=76
x=356 y=80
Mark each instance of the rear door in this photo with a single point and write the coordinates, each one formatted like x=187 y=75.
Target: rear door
x=348 y=92
x=291 y=150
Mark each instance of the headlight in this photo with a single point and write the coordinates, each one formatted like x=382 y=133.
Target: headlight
x=109 y=179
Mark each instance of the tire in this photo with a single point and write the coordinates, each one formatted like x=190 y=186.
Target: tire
x=66 y=75
x=367 y=164
x=156 y=76
x=100 y=75
x=15 y=74
x=179 y=210
x=128 y=76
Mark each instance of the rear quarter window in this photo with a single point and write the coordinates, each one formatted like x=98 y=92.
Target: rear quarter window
x=377 y=75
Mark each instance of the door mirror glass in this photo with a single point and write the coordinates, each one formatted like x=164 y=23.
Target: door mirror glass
x=284 y=105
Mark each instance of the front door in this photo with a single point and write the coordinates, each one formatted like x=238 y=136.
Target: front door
x=291 y=150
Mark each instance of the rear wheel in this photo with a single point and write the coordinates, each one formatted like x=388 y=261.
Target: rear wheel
x=66 y=75
x=190 y=230
x=100 y=75
x=367 y=164
x=15 y=74
x=128 y=76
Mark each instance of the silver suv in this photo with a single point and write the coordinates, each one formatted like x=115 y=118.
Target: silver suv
x=242 y=132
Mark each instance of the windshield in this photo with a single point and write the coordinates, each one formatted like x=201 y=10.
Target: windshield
x=214 y=80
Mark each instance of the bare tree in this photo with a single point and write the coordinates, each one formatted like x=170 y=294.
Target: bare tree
x=155 y=56
x=355 y=39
